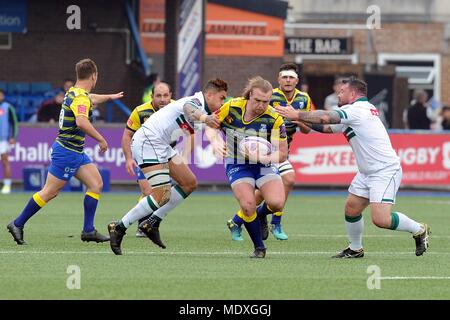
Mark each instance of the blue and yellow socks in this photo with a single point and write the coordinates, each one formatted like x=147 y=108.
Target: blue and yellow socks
x=35 y=204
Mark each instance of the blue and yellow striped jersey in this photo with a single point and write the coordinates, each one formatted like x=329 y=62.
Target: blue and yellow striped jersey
x=269 y=125
x=300 y=101
x=76 y=103
x=140 y=114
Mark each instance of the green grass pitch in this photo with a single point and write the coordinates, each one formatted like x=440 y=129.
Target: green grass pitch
x=201 y=262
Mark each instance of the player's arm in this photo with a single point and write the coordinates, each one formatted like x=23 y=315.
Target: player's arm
x=86 y=126
x=133 y=124
x=278 y=139
x=130 y=164
x=100 y=98
x=80 y=107
x=304 y=126
x=188 y=147
x=193 y=112
x=13 y=124
x=217 y=142
x=314 y=117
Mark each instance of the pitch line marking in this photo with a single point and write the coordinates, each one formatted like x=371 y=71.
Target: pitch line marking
x=205 y=253
x=414 y=278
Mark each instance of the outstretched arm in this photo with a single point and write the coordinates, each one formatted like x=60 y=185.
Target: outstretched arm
x=324 y=128
x=100 y=98
x=317 y=117
x=196 y=114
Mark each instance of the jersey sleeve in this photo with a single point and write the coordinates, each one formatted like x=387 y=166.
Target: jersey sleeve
x=81 y=106
x=134 y=122
x=224 y=111
x=279 y=130
x=196 y=103
x=349 y=114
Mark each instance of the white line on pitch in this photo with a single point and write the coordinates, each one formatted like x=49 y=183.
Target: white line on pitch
x=209 y=253
x=415 y=278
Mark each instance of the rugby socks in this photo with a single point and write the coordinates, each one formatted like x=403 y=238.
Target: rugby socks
x=144 y=207
x=263 y=210
x=401 y=222
x=276 y=218
x=34 y=205
x=355 y=228
x=7 y=182
x=238 y=218
x=177 y=195
x=253 y=227
x=146 y=217
x=90 y=206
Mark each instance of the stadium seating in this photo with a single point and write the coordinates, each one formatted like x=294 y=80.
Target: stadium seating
x=27 y=97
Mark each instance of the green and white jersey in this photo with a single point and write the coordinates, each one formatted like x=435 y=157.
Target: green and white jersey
x=170 y=122
x=366 y=134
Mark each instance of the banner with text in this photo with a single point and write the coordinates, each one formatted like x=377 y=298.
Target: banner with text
x=329 y=160
x=318 y=159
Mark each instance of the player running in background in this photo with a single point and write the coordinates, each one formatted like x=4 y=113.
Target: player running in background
x=8 y=134
x=286 y=94
x=68 y=158
x=251 y=115
x=380 y=173
x=159 y=161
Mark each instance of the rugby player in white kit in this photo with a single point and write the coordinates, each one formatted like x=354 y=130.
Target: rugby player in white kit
x=380 y=174
x=160 y=162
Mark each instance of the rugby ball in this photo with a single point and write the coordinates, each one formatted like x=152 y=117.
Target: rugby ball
x=256 y=146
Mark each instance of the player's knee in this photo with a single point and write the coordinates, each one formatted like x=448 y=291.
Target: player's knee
x=289 y=180
x=248 y=208
x=165 y=195
x=276 y=205
x=146 y=191
x=351 y=210
x=96 y=186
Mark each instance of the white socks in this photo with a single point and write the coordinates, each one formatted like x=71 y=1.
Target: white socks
x=176 y=197
x=401 y=222
x=144 y=207
x=355 y=228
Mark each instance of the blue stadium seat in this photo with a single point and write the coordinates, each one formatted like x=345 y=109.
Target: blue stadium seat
x=18 y=87
x=3 y=86
x=40 y=87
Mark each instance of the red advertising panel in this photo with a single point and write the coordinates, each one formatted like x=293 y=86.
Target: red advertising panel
x=329 y=160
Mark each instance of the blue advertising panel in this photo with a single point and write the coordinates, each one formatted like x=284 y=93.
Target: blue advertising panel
x=190 y=47
x=13 y=16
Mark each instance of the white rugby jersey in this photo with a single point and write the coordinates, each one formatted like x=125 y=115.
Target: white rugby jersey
x=367 y=136
x=168 y=123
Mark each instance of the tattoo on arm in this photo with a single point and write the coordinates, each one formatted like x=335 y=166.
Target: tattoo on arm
x=321 y=128
x=320 y=117
x=192 y=112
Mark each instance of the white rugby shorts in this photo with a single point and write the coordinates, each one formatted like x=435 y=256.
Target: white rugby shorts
x=379 y=187
x=146 y=148
x=4 y=146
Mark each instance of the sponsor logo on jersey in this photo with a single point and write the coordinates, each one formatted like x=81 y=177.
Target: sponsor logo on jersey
x=82 y=109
